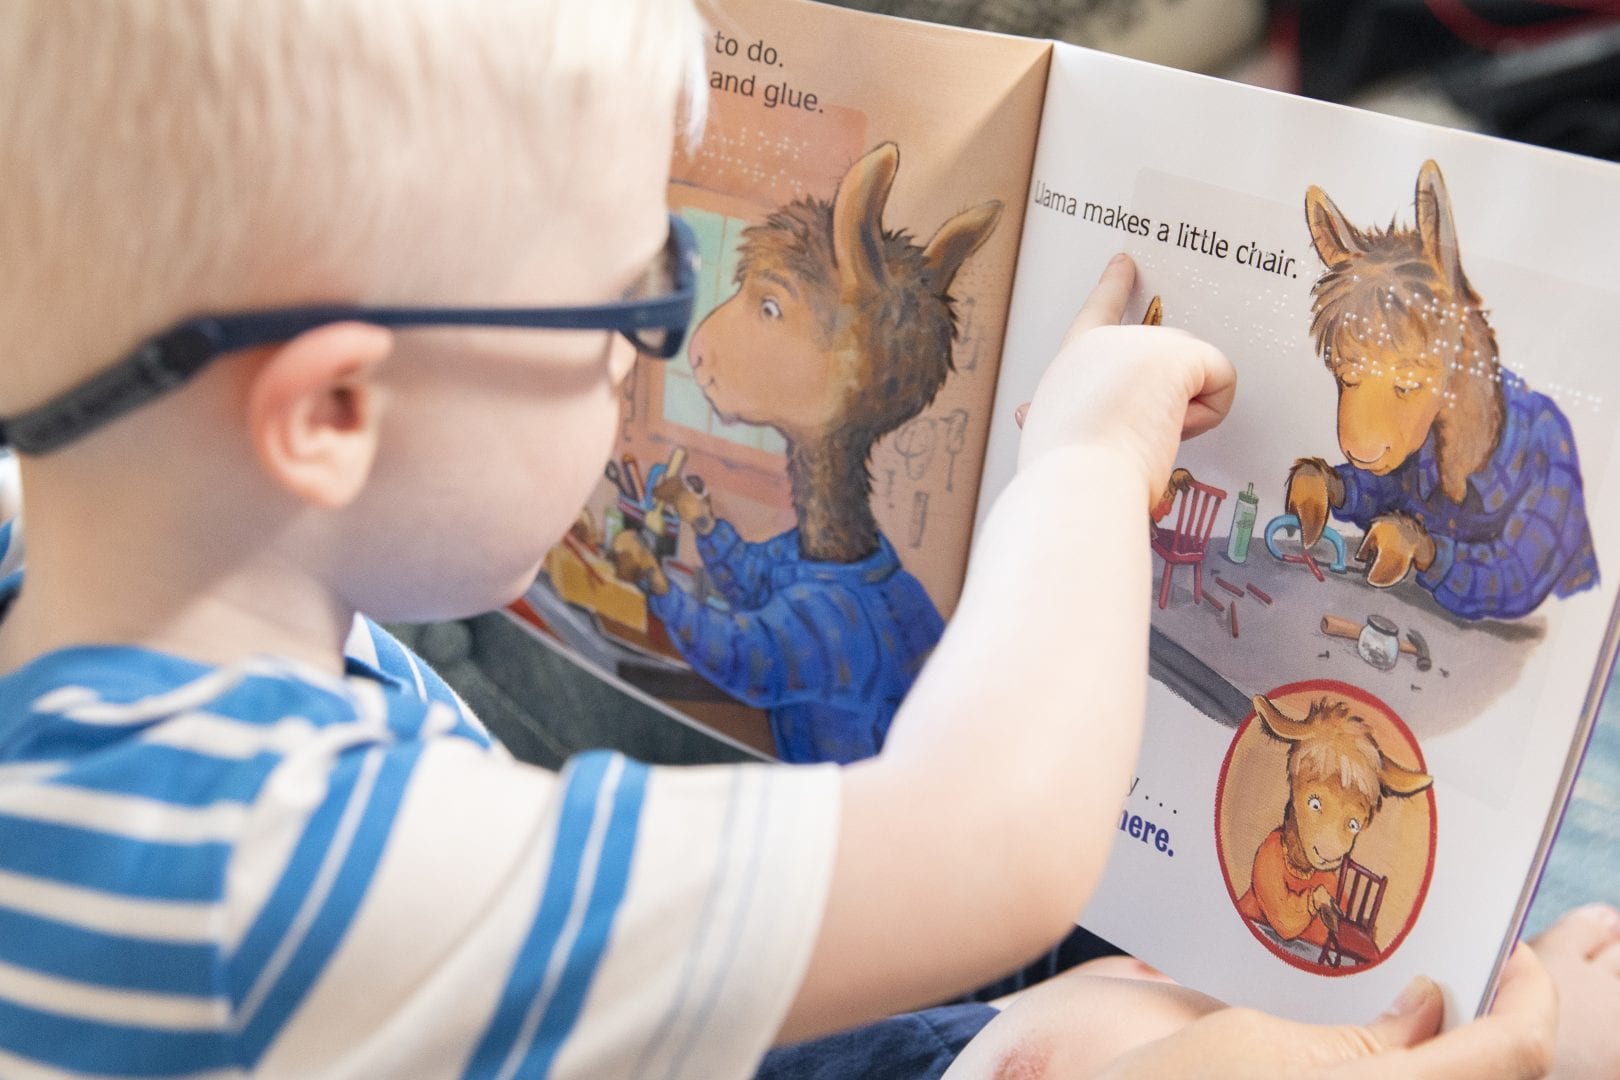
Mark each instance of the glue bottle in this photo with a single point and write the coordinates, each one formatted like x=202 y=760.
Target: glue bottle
x=1243 y=515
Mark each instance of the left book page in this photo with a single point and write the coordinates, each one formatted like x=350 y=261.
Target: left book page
x=805 y=472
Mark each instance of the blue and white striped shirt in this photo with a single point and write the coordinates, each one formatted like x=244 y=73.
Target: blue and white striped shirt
x=268 y=870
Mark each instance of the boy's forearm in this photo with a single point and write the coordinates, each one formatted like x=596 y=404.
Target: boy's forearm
x=1037 y=689
x=975 y=838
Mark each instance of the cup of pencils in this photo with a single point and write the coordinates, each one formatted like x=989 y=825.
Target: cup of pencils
x=660 y=529
x=657 y=523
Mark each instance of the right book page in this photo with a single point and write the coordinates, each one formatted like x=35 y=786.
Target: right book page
x=1382 y=591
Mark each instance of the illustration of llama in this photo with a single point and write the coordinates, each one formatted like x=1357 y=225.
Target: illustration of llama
x=1338 y=779
x=1458 y=472
x=840 y=331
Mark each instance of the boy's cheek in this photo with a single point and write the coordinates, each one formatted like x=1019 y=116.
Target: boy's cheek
x=622 y=361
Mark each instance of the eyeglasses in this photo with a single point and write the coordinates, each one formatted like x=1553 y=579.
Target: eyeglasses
x=655 y=321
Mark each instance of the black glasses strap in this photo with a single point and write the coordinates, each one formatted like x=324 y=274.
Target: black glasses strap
x=159 y=365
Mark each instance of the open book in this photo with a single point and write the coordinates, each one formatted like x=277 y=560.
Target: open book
x=1383 y=591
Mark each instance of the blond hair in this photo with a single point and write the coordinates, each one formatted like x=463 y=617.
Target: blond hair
x=159 y=159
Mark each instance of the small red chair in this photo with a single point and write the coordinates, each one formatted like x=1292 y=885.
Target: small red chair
x=1361 y=894
x=1184 y=544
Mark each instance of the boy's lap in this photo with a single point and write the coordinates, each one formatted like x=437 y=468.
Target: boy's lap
x=923 y=1045
x=1073 y=1022
x=912 y=1046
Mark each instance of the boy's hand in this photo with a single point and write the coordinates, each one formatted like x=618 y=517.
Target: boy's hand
x=1132 y=390
x=634 y=561
x=1515 y=1042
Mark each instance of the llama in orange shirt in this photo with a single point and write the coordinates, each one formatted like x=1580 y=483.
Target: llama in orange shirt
x=1337 y=778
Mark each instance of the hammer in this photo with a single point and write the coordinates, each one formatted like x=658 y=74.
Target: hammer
x=1422 y=647
x=1413 y=646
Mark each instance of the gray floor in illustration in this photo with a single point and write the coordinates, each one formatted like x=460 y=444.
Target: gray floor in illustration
x=1471 y=664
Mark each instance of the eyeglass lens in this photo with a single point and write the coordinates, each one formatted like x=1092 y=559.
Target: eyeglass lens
x=662 y=278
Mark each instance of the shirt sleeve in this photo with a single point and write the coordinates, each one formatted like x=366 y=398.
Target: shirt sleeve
x=617 y=920
x=11 y=525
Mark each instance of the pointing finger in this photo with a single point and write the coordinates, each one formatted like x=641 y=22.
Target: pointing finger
x=1106 y=304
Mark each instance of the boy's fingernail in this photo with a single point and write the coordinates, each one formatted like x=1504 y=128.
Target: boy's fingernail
x=1019 y=414
x=1411 y=999
x=1118 y=258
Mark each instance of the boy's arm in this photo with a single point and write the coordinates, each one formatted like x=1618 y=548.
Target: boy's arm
x=1514 y=1042
x=973 y=841
x=424 y=907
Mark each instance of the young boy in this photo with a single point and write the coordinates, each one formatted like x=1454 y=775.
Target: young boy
x=226 y=848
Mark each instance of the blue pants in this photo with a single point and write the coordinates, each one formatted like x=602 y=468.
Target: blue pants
x=919 y=1045
x=915 y=1046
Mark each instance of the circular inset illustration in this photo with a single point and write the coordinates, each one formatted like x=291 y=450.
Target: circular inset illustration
x=1325 y=825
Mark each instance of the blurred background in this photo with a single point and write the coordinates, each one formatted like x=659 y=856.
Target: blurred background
x=1540 y=71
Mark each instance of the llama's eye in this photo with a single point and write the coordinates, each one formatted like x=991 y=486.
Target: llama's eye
x=1402 y=389
x=769 y=308
x=1355 y=826
x=1316 y=804
x=1348 y=381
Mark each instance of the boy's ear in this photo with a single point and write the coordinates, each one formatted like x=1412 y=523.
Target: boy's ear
x=313 y=410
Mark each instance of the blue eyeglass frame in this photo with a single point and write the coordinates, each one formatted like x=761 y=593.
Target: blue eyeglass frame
x=171 y=358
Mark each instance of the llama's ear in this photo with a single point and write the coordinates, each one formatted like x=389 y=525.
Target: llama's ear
x=858 y=216
x=1330 y=232
x=956 y=240
x=1402 y=782
x=1276 y=723
x=1154 y=316
x=1437 y=229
